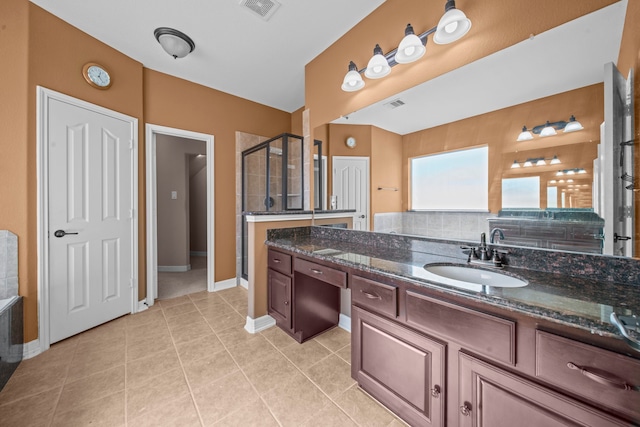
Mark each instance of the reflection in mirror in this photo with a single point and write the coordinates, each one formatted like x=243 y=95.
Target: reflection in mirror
x=319 y=177
x=548 y=192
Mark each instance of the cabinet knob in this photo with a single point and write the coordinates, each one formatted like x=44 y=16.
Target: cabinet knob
x=286 y=303
x=435 y=391
x=465 y=409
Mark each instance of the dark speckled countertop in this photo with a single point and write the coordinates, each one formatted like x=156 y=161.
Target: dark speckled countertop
x=571 y=289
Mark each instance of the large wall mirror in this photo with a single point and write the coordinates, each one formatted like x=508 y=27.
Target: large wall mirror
x=560 y=186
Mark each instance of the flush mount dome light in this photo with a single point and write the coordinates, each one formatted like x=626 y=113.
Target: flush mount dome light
x=452 y=26
x=352 y=80
x=174 y=42
x=411 y=48
x=378 y=65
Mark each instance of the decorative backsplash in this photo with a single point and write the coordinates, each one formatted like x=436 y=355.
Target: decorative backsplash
x=439 y=225
x=8 y=264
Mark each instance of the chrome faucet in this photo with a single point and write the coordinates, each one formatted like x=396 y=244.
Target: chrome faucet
x=492 y=235
x=483 y=249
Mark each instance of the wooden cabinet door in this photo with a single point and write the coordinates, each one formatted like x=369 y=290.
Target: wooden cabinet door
x=279 y=298
x=491 y=397
x=402 y=369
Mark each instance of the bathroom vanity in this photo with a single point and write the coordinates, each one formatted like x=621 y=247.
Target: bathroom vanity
x=540 y=355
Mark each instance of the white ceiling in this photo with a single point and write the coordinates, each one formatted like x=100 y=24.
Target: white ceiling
x=565 y=58
x=236 y=51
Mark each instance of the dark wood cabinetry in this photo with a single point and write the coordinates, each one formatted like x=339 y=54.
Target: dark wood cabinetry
x=279 y=298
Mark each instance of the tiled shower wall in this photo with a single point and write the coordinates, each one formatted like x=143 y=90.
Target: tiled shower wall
x=8 y=264
x=445 y=225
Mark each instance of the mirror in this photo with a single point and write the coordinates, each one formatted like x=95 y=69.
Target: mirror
x=487 y=103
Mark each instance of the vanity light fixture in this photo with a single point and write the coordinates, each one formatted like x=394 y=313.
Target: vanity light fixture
x=452 y=26
x=555 y=161
x=570 y=171
x=541 y=162
x=538 y=161
x=174 y=42
x=528 y=163
x=550 y=129
x=515 y=165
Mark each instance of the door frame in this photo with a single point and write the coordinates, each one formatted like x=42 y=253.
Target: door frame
x=151 y=131
x=368 y=182
x=43 y=95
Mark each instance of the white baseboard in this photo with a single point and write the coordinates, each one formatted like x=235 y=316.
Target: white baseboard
x=142 y=305
x=198 y=253
x=345 y=322
x=224 y=284
x=253 y=326
x=174 y=268
x=31 y=349
x=244 y=283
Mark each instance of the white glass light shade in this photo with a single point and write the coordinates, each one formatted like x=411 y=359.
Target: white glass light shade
x=352 y=80
x=548 y=130
x=573 y=125
x=560 y=173
x=555 y=161
x=571 y=172
x=515 y=165
x=452 y=26
x=378 y=65
x=541 y=162
x=527 y=163
x=525 y=135
x=411 y=48
x=582 y=171
x=174 y=42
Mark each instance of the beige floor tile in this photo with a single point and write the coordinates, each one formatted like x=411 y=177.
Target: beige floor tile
x=213 y=307
x=202 y=372
x=223 y=397
x=175 y=413
x=278 y=337
x=295 y=401
x=199 y=348
x=397 y=423
x=242 y=308
x=184 y=319
x=330 y=416
x=115 y=340
x=147 y=346
x=332 y=375
x=225 y=321
x=205 y=295
x=90 y=362
x=93 y=387
x=254 y=414
x=252 y=350
x=33 y=411
x=154 y=393
x=234 y=336
x=108 y=412
x=305 y=355
x=108 y=331
x=334 y=339
x=267 y=373
x=33 y=382
x=345 y=354
x=233 y=293
x=363 y=409
x=144 y=331
x=166 y=303
x=56 y=358
x=176 y=310
x=140 y=370
x=151 y=316
x=191 y=332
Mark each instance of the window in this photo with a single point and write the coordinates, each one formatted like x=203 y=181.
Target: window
x=521 y=192
x=552 y=197
x=458 y=180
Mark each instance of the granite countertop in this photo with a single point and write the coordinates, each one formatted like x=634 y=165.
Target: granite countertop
x=581 y=302
x=299 y=212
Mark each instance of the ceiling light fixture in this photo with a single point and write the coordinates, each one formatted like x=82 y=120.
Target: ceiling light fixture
x=550 y=129
x=174 y=42
x=452 y=26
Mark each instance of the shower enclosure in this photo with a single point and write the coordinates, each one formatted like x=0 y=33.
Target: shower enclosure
x=272 y=181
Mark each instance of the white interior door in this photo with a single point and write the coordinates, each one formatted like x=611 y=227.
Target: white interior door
x=351 y=186
x=91 y=216
x=616 y=163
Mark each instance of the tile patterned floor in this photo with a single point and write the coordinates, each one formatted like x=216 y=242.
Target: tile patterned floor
x=188 y=361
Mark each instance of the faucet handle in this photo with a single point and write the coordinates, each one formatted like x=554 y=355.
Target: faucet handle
x=472 y=252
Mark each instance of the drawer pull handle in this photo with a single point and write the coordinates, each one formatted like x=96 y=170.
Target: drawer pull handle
x=370 y=295
x=276 y=260
x=602 y=379
x=435 y=391
x=633 y=343
x=465 y=409
x=314 y=271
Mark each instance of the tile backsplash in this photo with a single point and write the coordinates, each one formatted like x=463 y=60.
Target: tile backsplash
x=8 y=264
x=439 y=225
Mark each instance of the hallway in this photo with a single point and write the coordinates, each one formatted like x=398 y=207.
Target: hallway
x=177 y=284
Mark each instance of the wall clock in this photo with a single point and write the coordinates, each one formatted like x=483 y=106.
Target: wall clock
x=351 y=142
x=96 y=75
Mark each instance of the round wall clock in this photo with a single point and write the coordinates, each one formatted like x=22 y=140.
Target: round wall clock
x=351 y=142
x=96 y=75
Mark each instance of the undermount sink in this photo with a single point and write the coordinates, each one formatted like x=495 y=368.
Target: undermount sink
x=463 y=276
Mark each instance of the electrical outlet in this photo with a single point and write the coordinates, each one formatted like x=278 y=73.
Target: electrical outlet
x=174 y=195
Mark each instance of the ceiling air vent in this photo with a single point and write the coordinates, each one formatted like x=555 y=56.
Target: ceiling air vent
x=263 y=8
x=394 y=104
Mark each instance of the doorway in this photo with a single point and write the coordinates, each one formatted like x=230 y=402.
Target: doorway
x=189 y=160
x=351 y=187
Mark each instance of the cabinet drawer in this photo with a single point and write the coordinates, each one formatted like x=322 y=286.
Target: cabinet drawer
x=375 y=296
x=481 y=333
x=326 y=274
x=279 y=261
x=597 y=374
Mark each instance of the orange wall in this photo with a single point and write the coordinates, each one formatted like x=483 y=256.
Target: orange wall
x=497 y=24
x=44 y=50
x=386 y=171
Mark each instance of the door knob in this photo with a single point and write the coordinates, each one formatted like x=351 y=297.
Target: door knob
x=361 y=216
x=61 y=233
